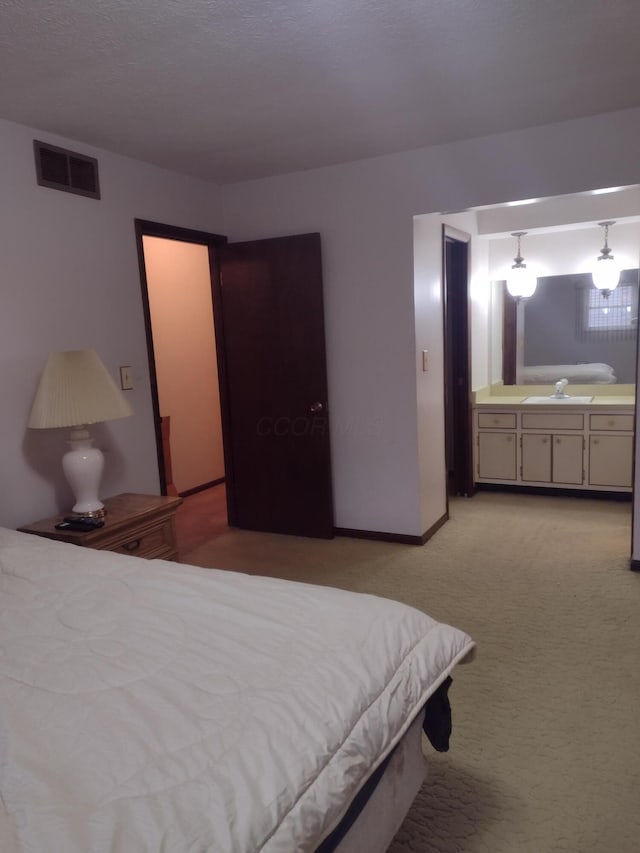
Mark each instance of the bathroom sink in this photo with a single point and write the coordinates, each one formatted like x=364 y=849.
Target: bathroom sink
x=562 y=401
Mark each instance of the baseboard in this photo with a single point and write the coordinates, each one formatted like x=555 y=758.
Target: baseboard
x=435 y=527
x=401 y=538
x=594 y=494
x=202 y=488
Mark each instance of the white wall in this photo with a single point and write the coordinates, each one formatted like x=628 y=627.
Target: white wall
x=431 y=472
x=428 y=300
x=564 y=212
x=566 y=252
x=69 y=279
x=364 y=212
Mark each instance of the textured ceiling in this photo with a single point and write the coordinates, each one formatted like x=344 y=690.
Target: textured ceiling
x=237 y=89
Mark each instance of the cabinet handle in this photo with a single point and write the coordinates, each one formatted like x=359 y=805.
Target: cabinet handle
x=596 y=440
x=544 y=440
x=558 y=441
x=132 y=546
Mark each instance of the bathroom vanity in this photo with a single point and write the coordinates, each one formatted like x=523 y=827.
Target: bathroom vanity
x=529 y=439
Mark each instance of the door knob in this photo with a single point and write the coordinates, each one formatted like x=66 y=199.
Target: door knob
x=316 y=407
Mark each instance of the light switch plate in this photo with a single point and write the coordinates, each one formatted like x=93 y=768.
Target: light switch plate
x=126 y=378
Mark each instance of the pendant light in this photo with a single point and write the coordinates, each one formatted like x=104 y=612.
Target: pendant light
x=606 y=269
x=521 y=282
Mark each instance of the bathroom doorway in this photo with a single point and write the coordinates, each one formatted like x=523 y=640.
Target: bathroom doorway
x=457 y=358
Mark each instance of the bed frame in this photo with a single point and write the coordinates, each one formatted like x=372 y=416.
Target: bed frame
x=385 y=810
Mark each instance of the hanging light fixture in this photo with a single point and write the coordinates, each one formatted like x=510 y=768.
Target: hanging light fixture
x=606 y=269
x=521 y=282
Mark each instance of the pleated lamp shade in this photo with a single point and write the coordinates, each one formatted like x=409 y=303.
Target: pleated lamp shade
x=76 y=389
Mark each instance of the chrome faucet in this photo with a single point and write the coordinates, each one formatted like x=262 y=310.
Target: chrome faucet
x=561 y=384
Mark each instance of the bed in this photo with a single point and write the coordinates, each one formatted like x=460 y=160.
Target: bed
x=593 y=373
x=148 y=706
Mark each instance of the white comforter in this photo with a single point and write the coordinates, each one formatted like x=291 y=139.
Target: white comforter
x=593 y=373
x=148 y=706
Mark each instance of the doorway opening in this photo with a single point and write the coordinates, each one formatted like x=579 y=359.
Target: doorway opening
x=260 y=315
x=176 y=278
x=457 y=360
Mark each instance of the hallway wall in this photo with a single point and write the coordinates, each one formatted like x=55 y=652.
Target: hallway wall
x=184 y=340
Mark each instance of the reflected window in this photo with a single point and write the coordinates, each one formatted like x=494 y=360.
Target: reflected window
x=618 y=311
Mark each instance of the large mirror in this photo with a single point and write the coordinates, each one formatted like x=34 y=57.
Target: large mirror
x=568 y=329
x=567 y=325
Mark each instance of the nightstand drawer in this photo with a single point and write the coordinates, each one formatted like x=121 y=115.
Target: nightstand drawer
x=138 y=525
x=154 y=541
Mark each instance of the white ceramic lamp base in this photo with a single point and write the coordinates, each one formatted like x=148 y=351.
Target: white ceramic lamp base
x=83 y=466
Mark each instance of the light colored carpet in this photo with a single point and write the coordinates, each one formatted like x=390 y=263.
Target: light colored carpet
x=545 y=753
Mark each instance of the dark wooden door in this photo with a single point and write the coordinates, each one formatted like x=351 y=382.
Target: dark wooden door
x=277 y=430
x=459 y=434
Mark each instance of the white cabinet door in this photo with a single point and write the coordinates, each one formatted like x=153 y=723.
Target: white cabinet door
x=610 y=460
x=550 y=458
x=536 y=457
x=567 y=459
x=497 y=456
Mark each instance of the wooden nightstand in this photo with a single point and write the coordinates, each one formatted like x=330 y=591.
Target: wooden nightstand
x=138 y=525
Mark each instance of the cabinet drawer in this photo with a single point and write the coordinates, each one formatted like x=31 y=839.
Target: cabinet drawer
x=552 y=421
x=496 y=420
x=153 y=541
x=611 y=422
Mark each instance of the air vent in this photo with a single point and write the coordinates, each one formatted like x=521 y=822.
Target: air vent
x=65 y=170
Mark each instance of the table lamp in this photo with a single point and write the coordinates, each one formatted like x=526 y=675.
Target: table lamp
x=75 y=390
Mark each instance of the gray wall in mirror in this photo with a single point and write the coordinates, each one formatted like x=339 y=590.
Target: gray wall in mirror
x=554 y=327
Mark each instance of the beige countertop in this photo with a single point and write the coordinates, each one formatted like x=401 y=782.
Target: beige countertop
x=608 y=401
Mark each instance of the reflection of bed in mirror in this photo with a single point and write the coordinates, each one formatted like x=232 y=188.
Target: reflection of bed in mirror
x=569 y=330
x=595 y=373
